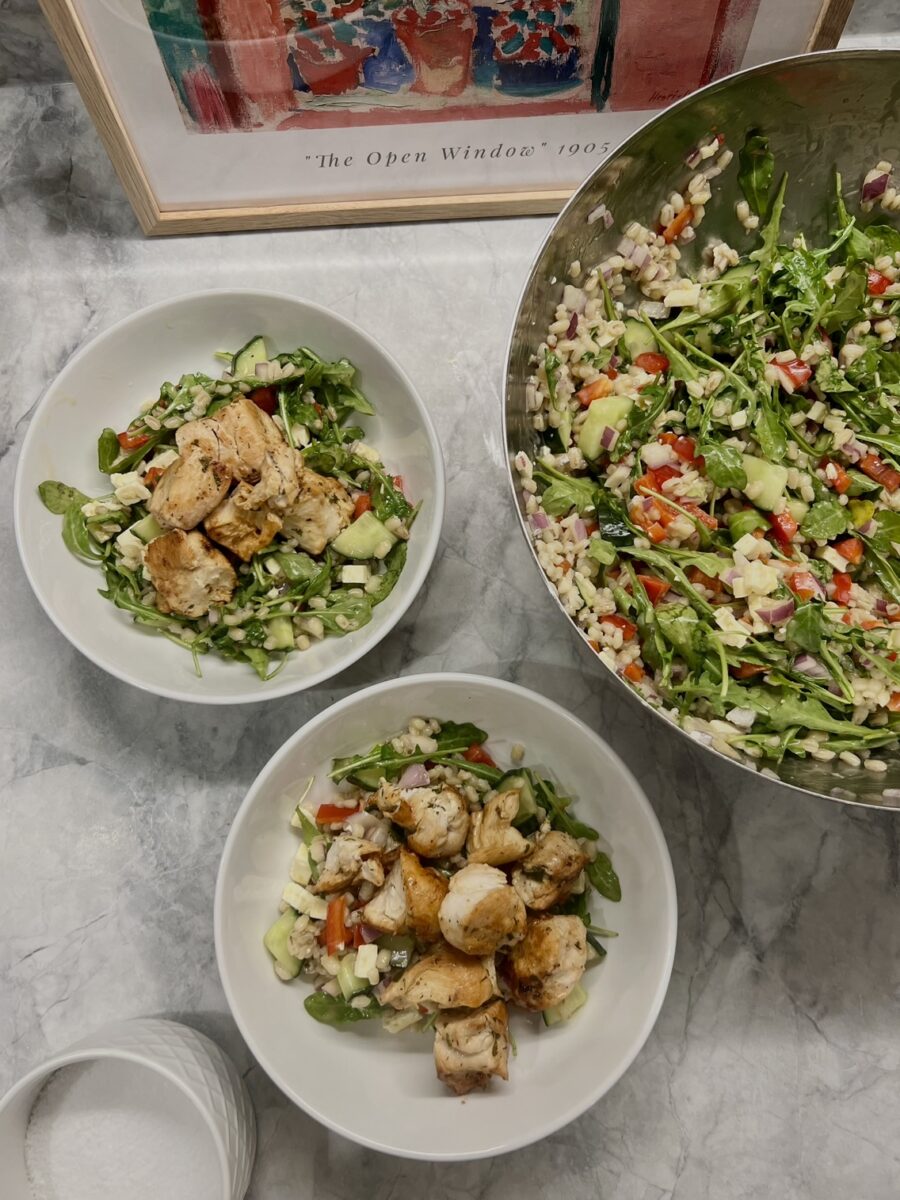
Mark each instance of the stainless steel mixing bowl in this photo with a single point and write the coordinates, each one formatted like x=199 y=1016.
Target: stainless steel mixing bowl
x=822 y=112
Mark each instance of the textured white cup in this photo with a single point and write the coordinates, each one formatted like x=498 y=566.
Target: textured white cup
x=186 y=1058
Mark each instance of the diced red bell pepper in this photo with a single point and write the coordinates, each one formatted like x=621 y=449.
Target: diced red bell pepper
x=611 y=373
x=714 y=584
x=265 y=398
x=804 y=584
x=595 y=391
x=656 y=533
x=336 y=933
x=652 y=363
x=478 y=754
x=397 y=481
x=678 y=224
x=798 y=372
x=629 y=629
x=132 y=441
x=894 y=702
x=747 y=670
x=850 y=548
x=655 y=588
x=876 y=468
x=333 y=814
x=152 y=477
x=634 y=672
x=686 y=449
x=363 y=504
x=841 y=481
x=783 y=527
x=842 y=585
x=877 y=283
x=701 y=515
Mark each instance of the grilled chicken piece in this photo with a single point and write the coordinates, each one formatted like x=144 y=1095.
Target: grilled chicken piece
x=492 y=839
x=471 y=1047
x=425 y=888
x=344 y=863
x=238 y=529
x=277 y=486
x=189 y=573
x=481 y=913
x=189 y=490
x=444 y=979
x=387 y=909
x=544 y=967
x=321 y=510
x=437 y=818
x=550 y=871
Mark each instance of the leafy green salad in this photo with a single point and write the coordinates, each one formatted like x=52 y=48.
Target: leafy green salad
x=715 y=492
x=246 y=515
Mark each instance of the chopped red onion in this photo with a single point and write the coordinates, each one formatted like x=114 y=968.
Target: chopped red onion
x=369 y=933
x=693 y=157
x=807 y=665
x=779 y=612
x=539 y=520
x=875 y=187
x=854 y=450
x=655 y=310
x=625 y=247
x=730 y=576
x=639 y=256
x=573 y=326
x=880 y=605
x=868 y=529
x=414 y=776
x=615 y=361
x=579 y=529
x=609 y=437
x=600 y=213
x=607 y=272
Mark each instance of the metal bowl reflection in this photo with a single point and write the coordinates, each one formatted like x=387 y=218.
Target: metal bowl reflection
x=836 y=110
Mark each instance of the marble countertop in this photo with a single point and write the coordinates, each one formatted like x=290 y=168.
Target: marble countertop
x=774 y=1069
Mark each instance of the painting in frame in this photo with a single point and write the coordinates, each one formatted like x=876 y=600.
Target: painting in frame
x=237 y=114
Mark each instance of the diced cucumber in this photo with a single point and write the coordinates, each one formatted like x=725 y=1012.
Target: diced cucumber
x=147 y=529
x=401 y=946
x=365 y=538
x=370 y=779
x=637 y=339
x=355 y=573
x=244 y=363
x=350 y=983
x=798 y=509
x=744 y=522
x=276 y=942
x=607 y=411
x=517 y=781
x=281 y=631
x=567 y=1007
x=771 y=477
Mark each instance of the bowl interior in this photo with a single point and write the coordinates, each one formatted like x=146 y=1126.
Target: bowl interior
x=380 y=1089
x=104 y=385
x=822 y=113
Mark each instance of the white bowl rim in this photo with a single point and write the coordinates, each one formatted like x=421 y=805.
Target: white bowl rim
x=281 y=686
x=436 y=679
x=89 y=1051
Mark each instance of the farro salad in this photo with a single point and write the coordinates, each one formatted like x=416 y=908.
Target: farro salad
x=715 y=494
x=246 y=517
x=434 y=889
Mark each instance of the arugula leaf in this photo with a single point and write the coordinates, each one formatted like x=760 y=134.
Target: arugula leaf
x=888 y=531
x=680 y=626
x=297 y=567
x=765 y=255
x=555 y=807
x=826 y=519
x=336 y=1011
x=785 y=710
x=601 y=551
x=847 y=302
x=757 y=168
x=59 y=497
x=567 y=492
x=710 y=564
x=884 y=239
x=830 y=379
x=724 y=465
x=76 y=537
x=453 y=739
x=673 y=572
x=770 y=434
x=108 y=450
x=806 y=628
x=394 y=563
x=603 y=877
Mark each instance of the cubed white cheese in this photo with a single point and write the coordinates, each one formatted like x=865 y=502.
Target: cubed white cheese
x=99 y=508
x=733 y=632
x=833 y=559
x=682 y=297
x=164 y=459
x=366 y=965
x=301 y=871
x=760 y=579
x=752 y=547
x=128 y=488
x=355 y=573
x=738 y=420
x=131 y=548
x=367 y=452
x=656 y=455
x=303 y=901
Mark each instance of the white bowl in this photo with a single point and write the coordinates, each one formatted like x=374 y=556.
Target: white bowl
x=185 y=1058
x=104 y=384
x=380 y=1089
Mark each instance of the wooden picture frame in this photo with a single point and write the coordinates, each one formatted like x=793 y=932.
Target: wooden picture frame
x=203 y=215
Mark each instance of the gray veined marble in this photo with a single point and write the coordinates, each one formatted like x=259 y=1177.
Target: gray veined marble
x=774 y=1070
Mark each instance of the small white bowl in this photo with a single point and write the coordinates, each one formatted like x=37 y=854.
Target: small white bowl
x=378 y=1089
x=105 y=383
x=187 y=1059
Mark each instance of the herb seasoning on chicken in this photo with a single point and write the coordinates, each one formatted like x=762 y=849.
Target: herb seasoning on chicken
x=247 y=519
x=436 y=891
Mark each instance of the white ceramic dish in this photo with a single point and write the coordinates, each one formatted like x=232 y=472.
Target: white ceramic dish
x=378 y=1089
x=188 y=1060
x=104 y=384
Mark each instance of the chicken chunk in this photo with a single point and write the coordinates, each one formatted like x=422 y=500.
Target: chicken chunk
x=189 y=490
x=242 y=531
x=344 y=863
x=471 y=1047
x=492 y=838
x=387 y=910
x=544 y=967
x=425 y=888
x=550 y=871
x=189 y=573
x=321 y=510
x=481 y=913
x=436 y=818
x=277 y=485
x=444 y=979
x=249 y=443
